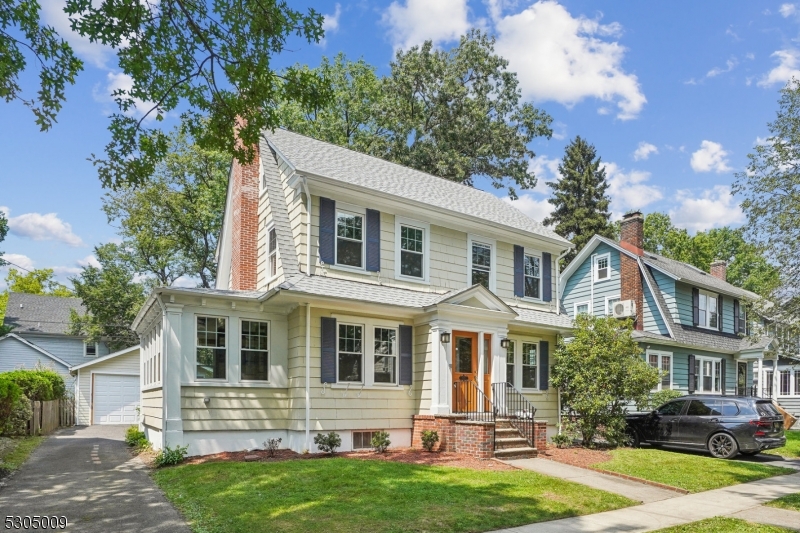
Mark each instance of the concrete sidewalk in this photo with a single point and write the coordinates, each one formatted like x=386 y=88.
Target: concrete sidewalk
x=640 y=492
x=679 y=510
x=771 y=516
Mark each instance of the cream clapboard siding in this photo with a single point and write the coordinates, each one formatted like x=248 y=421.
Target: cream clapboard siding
x=153 y=408
x=423 y=362
x=233 y=408
x=123 y=364
x=297 y=215
x=545 y=402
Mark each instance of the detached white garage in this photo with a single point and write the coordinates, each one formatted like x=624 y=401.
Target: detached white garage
x=108 y=389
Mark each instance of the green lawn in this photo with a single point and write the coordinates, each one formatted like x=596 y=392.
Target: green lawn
x=790 y=502
x=723 y=525
x=694 y=473
x=15 y=450
x=336 y=495
x=792 y=448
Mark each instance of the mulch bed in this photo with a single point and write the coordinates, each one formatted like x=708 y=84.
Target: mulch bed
x=582 y=457
x=400 y=455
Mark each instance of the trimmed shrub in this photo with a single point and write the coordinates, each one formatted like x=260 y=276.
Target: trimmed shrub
x=39 y=385
x=380 y=441
x=136 y=438
x=20 y=416
x=9 y=396
x=562 y=440
x=328 y=442
x=171 y=456
x=429 y=439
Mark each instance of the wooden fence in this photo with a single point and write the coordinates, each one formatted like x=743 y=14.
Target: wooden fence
x=46 y=417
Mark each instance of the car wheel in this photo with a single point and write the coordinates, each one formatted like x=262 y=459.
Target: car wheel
x=722 y=446
x=751 y=453
x=632 y=438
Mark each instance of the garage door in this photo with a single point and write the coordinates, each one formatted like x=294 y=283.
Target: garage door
x=115 y=399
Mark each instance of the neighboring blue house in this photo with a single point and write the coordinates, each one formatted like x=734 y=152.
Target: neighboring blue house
x=691 y=324
x=40 y=335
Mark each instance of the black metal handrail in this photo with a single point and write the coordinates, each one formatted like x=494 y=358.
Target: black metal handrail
x=469 y=399
x=510 y=404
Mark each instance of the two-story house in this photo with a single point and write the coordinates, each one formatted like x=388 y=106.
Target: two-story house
x=691 y=324
x=353 y=295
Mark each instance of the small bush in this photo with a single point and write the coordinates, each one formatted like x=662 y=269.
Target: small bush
x=380 y=441
x=39 y=385
x=328 y=442
x=17 y=423
x=272 y=445
x=429 y=439
x=136 y=439
x=9 y=396
x=562 y=440
x=171 y=456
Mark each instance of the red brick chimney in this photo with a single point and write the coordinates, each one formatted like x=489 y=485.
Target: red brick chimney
x=244 y=221
x=719 y=269
x=632 y=239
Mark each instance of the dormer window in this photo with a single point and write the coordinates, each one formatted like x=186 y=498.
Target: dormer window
x=349 y=239
x=602 y=268
x=709 y=313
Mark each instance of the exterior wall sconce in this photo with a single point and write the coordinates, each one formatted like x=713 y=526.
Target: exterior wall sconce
x=504 y=343
x=445 y=337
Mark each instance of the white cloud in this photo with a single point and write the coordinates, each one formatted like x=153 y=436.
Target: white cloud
x=331 y=22
x=729 y=66
x=63 y=271
x=416 y=21
x=710 y=158
x=629 y=190
x=566 y=59
x=559 y=131
x=788 y=63
x=714 y=207
x=787 y=10
x=536 y=209
x=95 y=53
x=644 y=150
x=185 y=281
x=545 y=169
x=89 y=260
x=19 y=261
x=121 y=81
x=39 y=227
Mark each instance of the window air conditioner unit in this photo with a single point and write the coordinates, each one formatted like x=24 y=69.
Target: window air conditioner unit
x=624 y=309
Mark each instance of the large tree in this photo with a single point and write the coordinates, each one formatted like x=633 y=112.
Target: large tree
x=580 y=203
x=455 y=113
x=170 y=224
x=208 y=61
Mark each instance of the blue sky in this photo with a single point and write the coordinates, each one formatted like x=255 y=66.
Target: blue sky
x=673 y=95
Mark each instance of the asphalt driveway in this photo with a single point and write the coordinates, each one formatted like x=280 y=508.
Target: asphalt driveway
x=88 y=475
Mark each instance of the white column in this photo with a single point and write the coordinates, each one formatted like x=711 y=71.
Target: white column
x=758 y=374
x=440 y=372
x=775 y=379
x=171 y=379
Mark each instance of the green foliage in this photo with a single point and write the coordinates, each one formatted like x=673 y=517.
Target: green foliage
x=380 y=441
x=328 y=442
x=721 y=524
x=657 y=399
x=562 y=440
x=21 y=413
x=10 y=394
x=429 y=439
x=272 y=446
x=3 y=305
x=169 y=225
x=40 y=384
x=111 y=297
x=580 y=203
x=3 y=222
x=454 y=113
x=136 y=438
x=599 y=371
x=790 y=502
x=792 y=447
x=170 y=456
x=38 y=281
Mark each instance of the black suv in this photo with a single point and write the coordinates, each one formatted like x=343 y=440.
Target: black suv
x=723 y=425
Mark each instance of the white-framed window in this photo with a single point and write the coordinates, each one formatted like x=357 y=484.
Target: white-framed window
x=211 y=352
x=610 y=301
x=663 y=362
x=350 y=237
x=708 y=310
x=510 y=366
x=350 y=356
x=533 y=276
x=272 y=253
x=785 y=382
x=481 y=261
x=412 y=249
x=368 y=351
x=254 y=350
x=581 y=308
x=90 y=349
x=530 y=357
x=522 y=363
x=708 y=374
x=385 y=355
x=601 y=268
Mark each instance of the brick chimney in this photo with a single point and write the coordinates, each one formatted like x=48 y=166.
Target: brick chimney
x=719 y=269
x=244 y=222
x=632 y=239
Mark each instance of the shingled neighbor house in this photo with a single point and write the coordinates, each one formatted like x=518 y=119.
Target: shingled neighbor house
x=356 y=295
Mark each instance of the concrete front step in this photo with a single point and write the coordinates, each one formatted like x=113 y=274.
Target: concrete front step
x=509 y=442
x=516 y=453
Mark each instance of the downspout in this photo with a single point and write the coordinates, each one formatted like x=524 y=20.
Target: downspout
x=163 y=363
x=558 y=279
x=308 y=376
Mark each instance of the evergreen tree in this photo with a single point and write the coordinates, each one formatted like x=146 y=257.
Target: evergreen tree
x=579 y=197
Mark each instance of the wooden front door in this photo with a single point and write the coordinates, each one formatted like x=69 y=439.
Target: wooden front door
x=465 y=371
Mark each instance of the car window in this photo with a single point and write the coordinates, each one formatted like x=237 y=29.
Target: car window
x=766 y=409
x=704 y=408
x=730 y=408
x=672 y=408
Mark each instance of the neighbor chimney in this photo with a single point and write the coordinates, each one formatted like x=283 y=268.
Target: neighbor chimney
x=632 y=232
x=244 y=222
x=719 y=269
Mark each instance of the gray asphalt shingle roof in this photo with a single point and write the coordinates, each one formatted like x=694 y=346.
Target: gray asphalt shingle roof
x=545 y=318
x=36 y=313
x=694 y=275
x=334 y=162
x=355 y=290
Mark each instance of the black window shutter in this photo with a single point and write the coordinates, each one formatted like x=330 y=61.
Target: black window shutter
x=544 y=365
x=327 y=230
x=519 y=271
x=547 y=281
x=328 y=358
x=719 y=312
x=696 y=307
x=406 y=355
x=736 y=317
x=722 y=381
x=692 y=376
x=373 y=240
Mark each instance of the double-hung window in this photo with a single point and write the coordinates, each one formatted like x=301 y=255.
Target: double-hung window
x=533 y=276
x=708 y=311
x=529 y=352
x=601 y=269
x=90 y=349
x=385 y=356
x=211 y=350
x=581 y=308
x=412 y=252
x=510 y=363
x=661 y=361
x=272 y=250
x=708 y=374
x=785 y=382
x=481 y=264
x=255 y=350
x=350 y=361
x=349 y=239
